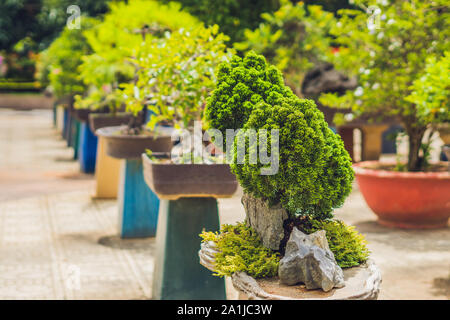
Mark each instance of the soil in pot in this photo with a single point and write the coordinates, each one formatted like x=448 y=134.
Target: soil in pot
x=414 y=200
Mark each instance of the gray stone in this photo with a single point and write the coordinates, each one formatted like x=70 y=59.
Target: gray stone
x=266 y=221
x=309 y=260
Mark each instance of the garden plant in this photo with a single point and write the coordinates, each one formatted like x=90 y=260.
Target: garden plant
x=401 y=62
x=314 y=176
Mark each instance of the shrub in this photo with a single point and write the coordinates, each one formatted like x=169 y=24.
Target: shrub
x=241 y=249
x=315 y=173
x=65 y=55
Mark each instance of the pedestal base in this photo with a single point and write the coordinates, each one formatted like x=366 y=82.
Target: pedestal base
x=106 y=173
x=138 y=205
x=178 y=273
x=87 y=149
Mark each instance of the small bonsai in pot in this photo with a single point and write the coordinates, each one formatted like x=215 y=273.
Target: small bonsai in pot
x=293 y=202
x=175 y=75
x=402 y=71
x=117 y=41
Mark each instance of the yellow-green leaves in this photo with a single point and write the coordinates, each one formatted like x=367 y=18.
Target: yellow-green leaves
x=241 y=249
x=175 y=74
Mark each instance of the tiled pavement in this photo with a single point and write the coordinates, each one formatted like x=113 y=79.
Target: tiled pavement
x=56 y=242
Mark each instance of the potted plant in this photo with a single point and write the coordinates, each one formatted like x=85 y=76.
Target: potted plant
x=288 y=209
x=175 y=75
x=64 y=56
x=390 y=60
x=174 y=80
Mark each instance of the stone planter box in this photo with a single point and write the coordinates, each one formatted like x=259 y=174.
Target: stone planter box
x=123 y=146
x=173 y=181
x=361 y=283
x=101 y=120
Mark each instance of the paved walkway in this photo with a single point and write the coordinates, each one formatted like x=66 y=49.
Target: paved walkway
x=58 y=243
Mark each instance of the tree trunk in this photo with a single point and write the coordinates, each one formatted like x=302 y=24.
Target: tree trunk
x=415 y=134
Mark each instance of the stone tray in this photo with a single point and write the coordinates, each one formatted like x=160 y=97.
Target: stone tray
x=101 y=120
x=173 y=181
x=361 y=283
x=124 y=146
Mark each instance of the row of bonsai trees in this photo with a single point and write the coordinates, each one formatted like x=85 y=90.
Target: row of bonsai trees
x=147 y=55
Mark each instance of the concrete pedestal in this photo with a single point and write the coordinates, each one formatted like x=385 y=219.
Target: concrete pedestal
x=178 y=273
x=138 y=205
x=107 y=171
x=87 y=149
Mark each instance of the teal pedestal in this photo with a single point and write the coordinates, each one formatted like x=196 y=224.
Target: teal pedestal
x=178 y=273
x=138 y=205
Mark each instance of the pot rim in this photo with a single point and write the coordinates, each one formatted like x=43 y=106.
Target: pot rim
x=147 y=158
x=361 y=170
x=111 y=132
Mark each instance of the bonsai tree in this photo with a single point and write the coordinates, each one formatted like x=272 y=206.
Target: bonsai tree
x=175 y=74
x=117 y=39
x=294 y=39
x=315 y=171
x=314 y=174
x=387 y=59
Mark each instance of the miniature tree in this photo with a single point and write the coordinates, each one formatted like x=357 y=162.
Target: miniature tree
x=314 y=174
x=387 y=59
x=315 y=171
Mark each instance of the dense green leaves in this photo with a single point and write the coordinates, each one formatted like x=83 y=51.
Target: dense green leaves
x=315 y=171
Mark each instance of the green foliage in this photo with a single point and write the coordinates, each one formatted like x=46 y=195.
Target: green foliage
x=52 y=16
x=119 y=38
x=294 y=39
x=241 y=249
x=388 y=59
x=233 y=16
x=315 y=172
x=65 y=56
x=348 y=246
x=431 y=91
x=176 y=74
x=241 y=85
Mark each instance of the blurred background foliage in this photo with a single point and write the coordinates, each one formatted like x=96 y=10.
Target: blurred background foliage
x=28 y=27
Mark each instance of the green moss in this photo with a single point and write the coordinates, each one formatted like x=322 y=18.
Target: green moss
x=348 y=245
x=241 y=249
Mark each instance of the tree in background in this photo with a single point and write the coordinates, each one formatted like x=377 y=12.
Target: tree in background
x=295 y=38
x=232 y=16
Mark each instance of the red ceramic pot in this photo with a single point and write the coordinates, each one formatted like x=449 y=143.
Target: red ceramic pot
x=413 y=200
